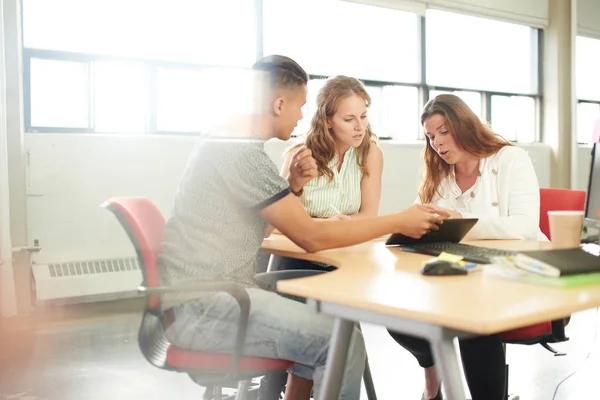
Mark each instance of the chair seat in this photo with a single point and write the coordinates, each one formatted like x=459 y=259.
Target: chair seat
x=529 y=334
x=185 y=359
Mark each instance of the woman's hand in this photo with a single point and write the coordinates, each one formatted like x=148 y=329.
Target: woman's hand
x=417 y=220
x=444 y=212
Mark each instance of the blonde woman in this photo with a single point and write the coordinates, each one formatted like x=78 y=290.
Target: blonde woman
x=349 y=170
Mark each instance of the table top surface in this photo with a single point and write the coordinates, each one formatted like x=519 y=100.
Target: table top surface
x=374 y=277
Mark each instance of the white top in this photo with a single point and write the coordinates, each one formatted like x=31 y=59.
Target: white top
x=343 y=192
x=505 y=197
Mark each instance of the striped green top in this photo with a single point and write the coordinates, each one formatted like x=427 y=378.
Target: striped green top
x=343 y=192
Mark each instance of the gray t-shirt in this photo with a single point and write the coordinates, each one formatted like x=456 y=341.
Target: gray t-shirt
x=214 y=232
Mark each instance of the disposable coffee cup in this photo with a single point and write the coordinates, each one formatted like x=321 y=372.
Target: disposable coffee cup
x=565 y=229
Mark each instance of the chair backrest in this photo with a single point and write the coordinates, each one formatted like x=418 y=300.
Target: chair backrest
x=548 y=331
x=145 y=226
x=557 y=200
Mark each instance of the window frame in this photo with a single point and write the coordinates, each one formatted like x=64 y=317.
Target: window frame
x=423 y=88
x=486 y=95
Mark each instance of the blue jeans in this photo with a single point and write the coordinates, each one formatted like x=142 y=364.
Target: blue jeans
x=277 y=328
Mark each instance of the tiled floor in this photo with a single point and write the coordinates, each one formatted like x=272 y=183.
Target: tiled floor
x=91 y=353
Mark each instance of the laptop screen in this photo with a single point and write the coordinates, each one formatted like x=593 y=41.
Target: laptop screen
x=592 y=205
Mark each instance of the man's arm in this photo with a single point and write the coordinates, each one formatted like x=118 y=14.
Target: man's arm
x=288 y=216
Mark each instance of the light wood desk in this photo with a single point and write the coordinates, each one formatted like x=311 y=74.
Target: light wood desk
x=382 y=285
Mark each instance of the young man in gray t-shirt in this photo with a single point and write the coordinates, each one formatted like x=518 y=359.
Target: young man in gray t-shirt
x=230 y=192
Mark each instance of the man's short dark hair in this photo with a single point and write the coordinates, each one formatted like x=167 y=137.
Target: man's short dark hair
x=283 y=72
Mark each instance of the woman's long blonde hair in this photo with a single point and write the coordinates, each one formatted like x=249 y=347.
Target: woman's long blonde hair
x=319 y=138
x=467 y=130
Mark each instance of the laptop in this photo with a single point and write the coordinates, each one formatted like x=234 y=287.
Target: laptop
x=592 y=203
x=452 y=230
x=592 y=210
x=446 y=240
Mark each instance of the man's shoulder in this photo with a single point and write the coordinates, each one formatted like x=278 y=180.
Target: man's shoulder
x=223 y=151
x=231 y=145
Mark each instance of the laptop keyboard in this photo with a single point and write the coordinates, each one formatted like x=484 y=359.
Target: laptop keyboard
x=474 y=254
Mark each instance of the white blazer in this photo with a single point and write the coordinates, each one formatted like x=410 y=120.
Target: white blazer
x=505 y=197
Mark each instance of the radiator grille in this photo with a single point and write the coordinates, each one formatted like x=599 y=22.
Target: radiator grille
x=93 y=267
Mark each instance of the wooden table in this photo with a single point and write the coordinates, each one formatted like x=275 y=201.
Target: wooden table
x=383 y=285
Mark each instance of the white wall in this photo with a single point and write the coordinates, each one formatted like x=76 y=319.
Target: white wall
x=70 y=175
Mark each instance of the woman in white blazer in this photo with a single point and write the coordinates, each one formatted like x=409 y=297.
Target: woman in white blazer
x=501 y=188
x=472 y=172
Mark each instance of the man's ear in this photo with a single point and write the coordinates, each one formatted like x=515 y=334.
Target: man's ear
x=278 y=106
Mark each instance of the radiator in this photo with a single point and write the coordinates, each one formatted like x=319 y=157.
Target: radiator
x=90 y=280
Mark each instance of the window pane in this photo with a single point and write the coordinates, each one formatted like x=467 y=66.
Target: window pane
x=587 y=68
x=179 y=97
x=309 y=109
x=473 y=99
x=492 y=55
x=394 y=112
x=120 y=96
x=331 y=37
x=196 y=100
x=211 y=32
x=588 y=121
x=513 y=117
x=59 y=94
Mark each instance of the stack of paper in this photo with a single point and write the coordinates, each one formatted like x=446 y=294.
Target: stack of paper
x=526 y=270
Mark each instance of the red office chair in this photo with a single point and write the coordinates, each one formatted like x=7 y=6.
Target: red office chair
x=549 y=331
x=145 y=225
x=558 y=200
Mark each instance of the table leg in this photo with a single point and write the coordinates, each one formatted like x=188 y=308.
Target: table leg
x=368 y=381
x=336 y=358
x=447 y=367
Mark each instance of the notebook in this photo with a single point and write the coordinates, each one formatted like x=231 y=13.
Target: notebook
x=560 y=263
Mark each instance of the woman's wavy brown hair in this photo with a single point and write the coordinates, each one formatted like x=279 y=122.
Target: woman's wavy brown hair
x=319 y=138
x=467 y=130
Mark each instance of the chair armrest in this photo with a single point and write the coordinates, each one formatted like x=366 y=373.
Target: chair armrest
x=270 y=279
x=236 y=291
x=196 y=287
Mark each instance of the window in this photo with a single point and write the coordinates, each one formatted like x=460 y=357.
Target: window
x=588 y=117
x=394 y=112
x=197 y=100
x=183 y=66
x=120 y=97
x=513 y=117
x=332 y=37
x=209 y=32
x=353 y=47
x=587 y=68
x=179 y=94
x=473 y=99
x=494 y=70
x=59 y=93
x=309 y=109
x=588 y=88
x=491 y=55
x=105 y=53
